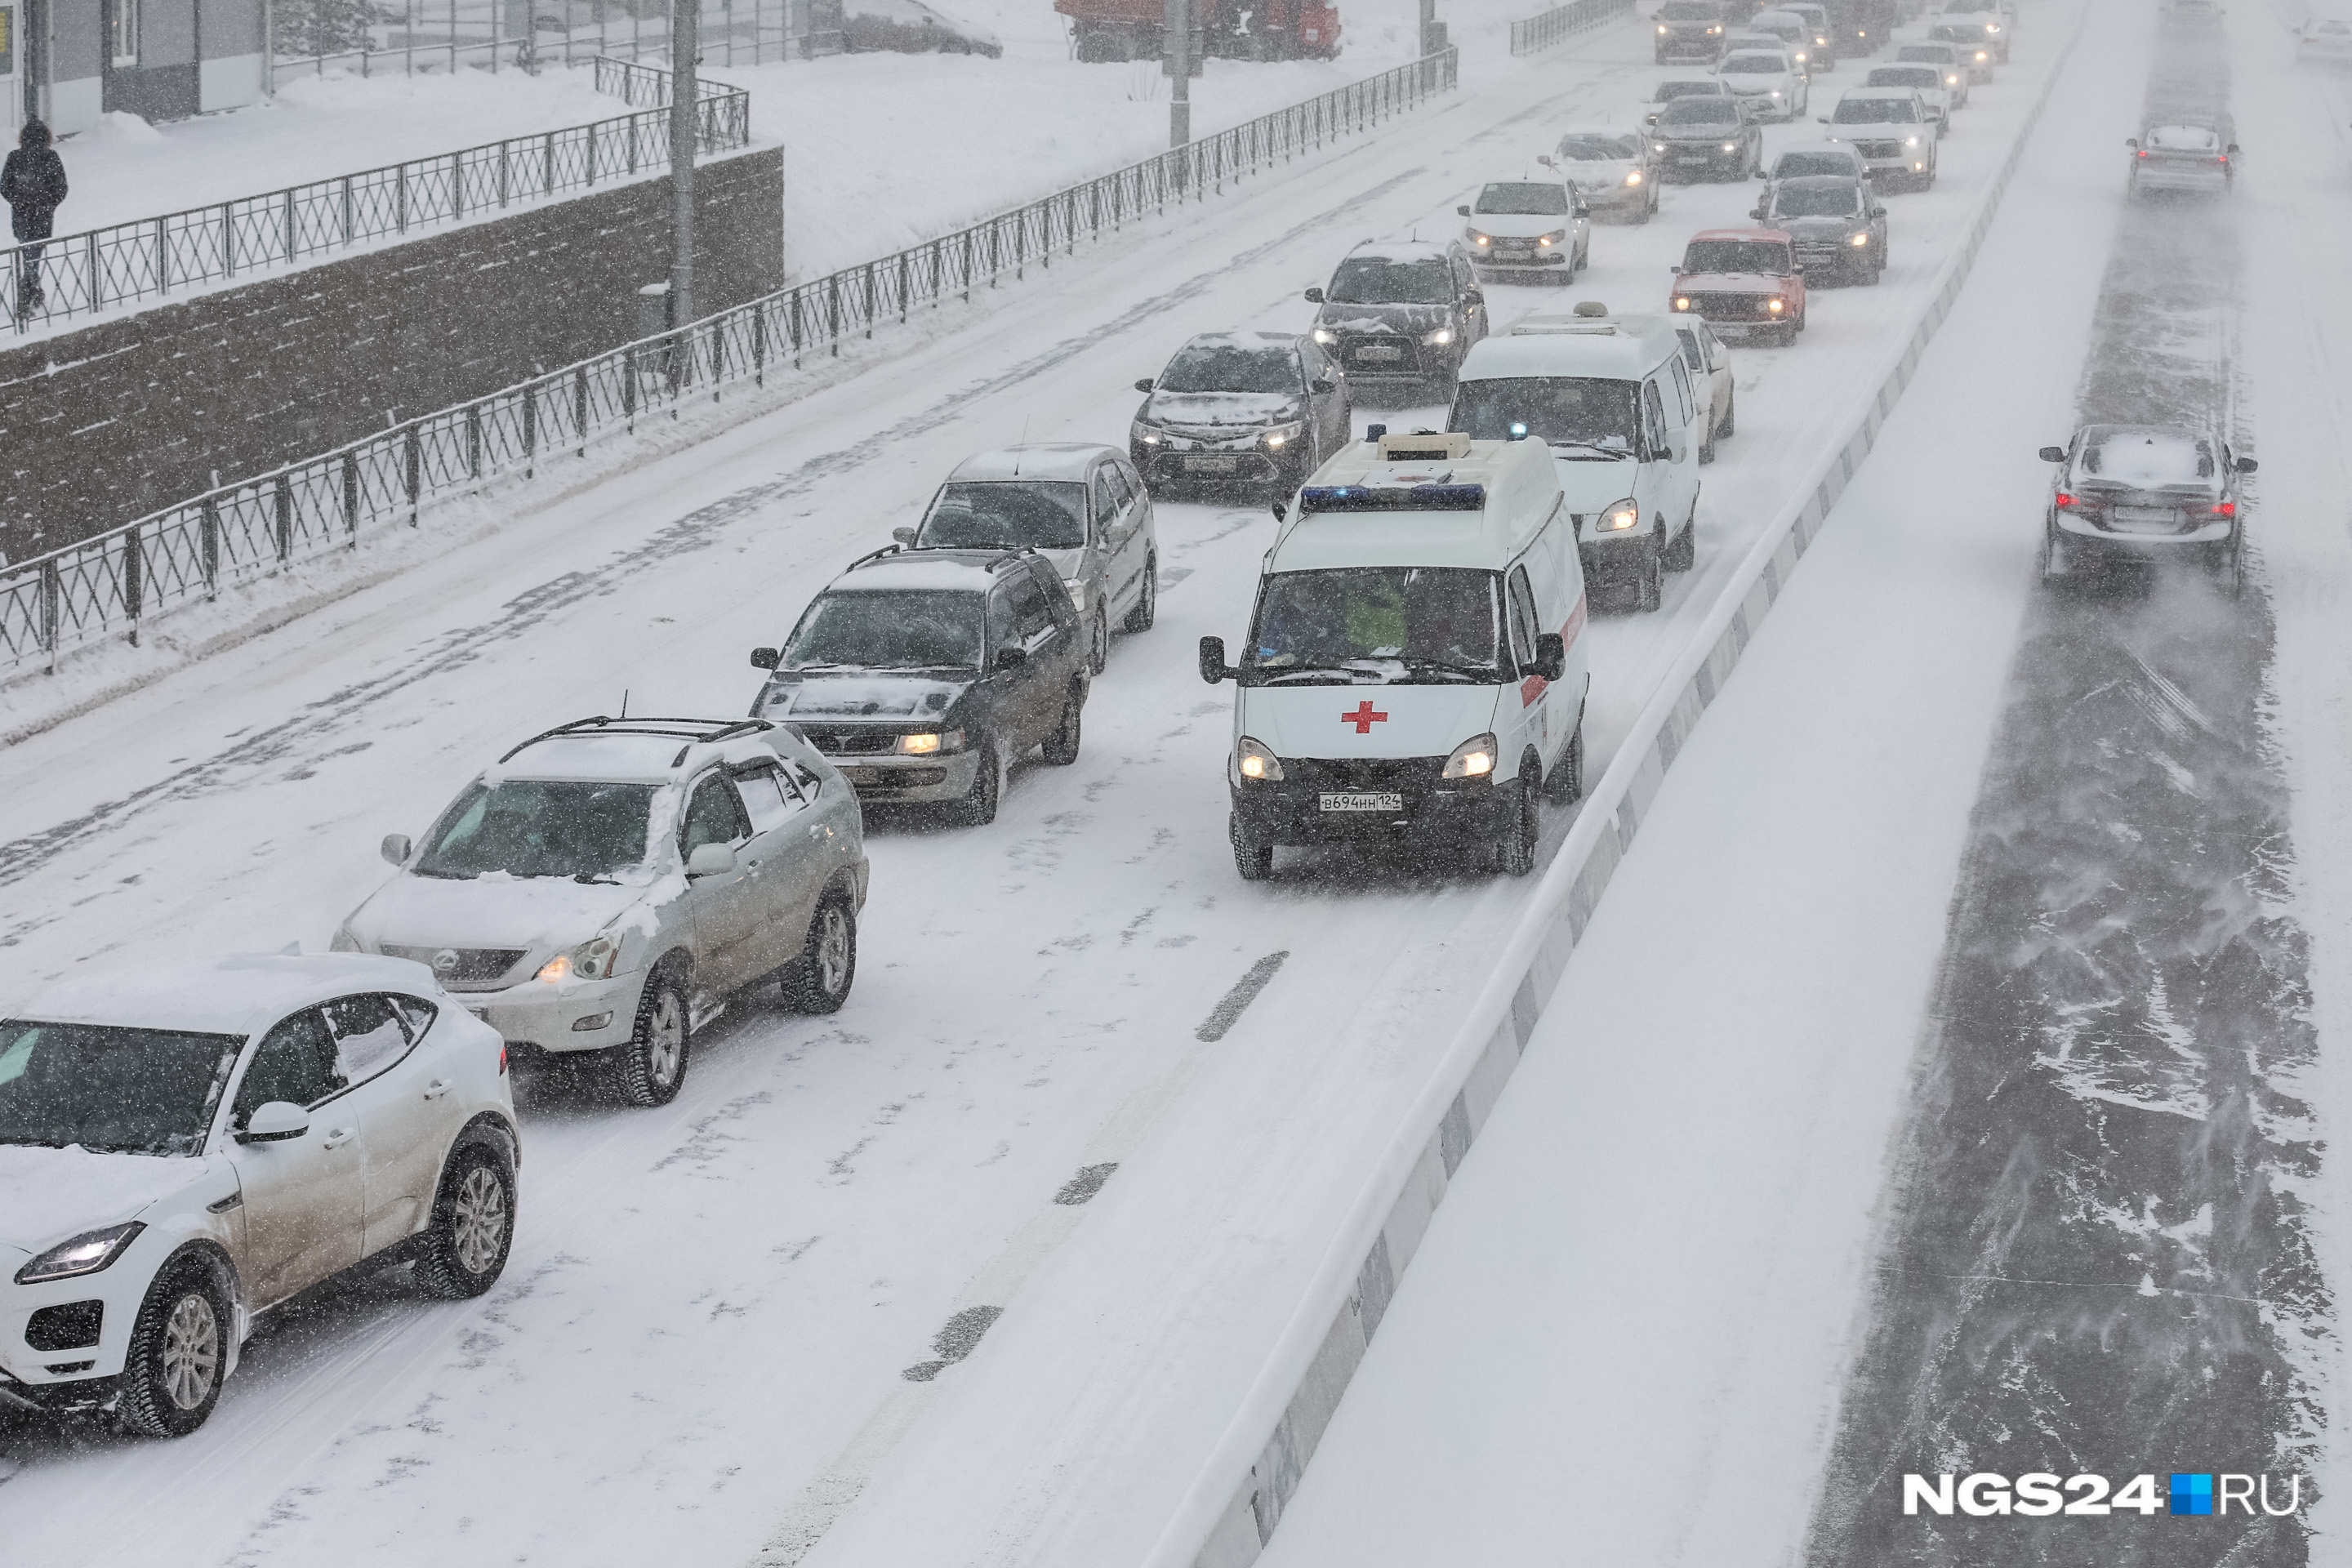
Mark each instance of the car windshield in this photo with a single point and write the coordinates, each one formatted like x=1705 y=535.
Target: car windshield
x=1686 y=11
x=132 y=1091
x=1670 y=90
x=1874 y=111
x=1736 y=256
x=1817 y=201
x=1700 y=111
x=1598 y=149
x=893 y=630
x=1755 y=65
x=1588 y=411
x=1797 y=165
x=1518 y=199
x=1927 y=79
x=1377 y=624
x=1226 y=367
x=1007 y=514
x=1386 y=281
x=1958 y=33
x=540 y=828
x=1934 y=54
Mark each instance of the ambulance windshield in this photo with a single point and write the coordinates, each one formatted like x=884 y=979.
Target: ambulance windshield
x=1592 y=413
x=1376 y=626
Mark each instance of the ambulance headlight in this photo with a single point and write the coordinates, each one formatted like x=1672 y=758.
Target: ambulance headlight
x=1617 y=517
x=1325 y=335
x=1282 y=436
x=1254 y=763
x=1473 y=759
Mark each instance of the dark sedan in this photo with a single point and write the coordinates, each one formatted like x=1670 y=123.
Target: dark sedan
x=1837 y=221
x=1707 y=139
x=1401 y=313
x=1240 y=410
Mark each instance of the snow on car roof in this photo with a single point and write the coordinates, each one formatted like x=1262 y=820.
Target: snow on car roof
x=1780 y=55
x=1877 y=93
x=1396 y=250
x=1035 y=460
x=1814 y=149
x=232 y=994
x=2148 y=456
x=1689 y=86
x=1522 y=490
x=917 y=570
x=1251 y=340
x=621 y=756
x=1556 y=343
x=1757 y=233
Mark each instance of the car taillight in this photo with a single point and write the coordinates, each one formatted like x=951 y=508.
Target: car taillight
x=502 y=1058
x=2226 y=508
x=2065 y=501
x=2143 y=153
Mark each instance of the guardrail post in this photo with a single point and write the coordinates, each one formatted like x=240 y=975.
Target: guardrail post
x=352 y=498
x=633 y=143
x=163 y=258
x=868 y=270
x=400 y=198
x=457 y=181
x=52 y=587
x=832 y=311
x=758 y=344
x=580 y=407
x=547 y=163
x=228 y=240
x=592 y=158
x=347 y=209
x=629 y=384
x=503 y=175
x=531 y=429
x=133 y=579
x=473 y=440
x=412 y=463
x=211 y=538
x=284 y=508
x=97 y=274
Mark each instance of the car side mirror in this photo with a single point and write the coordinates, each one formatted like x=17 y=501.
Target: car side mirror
x=2247 y=464
x=1878 y=212
x=275 y=1122
x=2232 y=147
x=1551 y=656
x=1796 y=269
x=1281 y=509
x=710 y=860
x=395 y=848
x=1545 y=159
x=766 y=657
x=1821 y=118
x=1315 y=296
x=1757 y=212
x=903 y=535
x=2132 y=141
x=1464 y=211
x=1322 y=388
x=1143 y=386
x=1213 y=668
x=1011 y=657
x=2054 y=454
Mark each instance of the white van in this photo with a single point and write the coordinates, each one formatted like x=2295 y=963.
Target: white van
x=1613 y=400
x=1415 y=670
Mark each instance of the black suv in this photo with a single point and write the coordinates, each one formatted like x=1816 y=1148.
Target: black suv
x=922 y=674
x=1401 y=313
x=1689 y=30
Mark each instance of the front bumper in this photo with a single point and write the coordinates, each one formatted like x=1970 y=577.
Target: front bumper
x=2149 y=175
x=548 y=1017
x=1736 y=315
x=1180 y=462
x=1387 y=358
x=1522 y=260
x=886 y=780
x=1431 y=810
x=1689 y=46
x=1708 y=156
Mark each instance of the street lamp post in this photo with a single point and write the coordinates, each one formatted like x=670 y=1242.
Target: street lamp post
x=1177 y=24
x=685 y=16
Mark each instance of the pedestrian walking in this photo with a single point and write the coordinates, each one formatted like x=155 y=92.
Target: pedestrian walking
x=33 y=183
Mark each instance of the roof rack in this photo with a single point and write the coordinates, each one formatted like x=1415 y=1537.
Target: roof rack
x=695 y=731
x=873 y=555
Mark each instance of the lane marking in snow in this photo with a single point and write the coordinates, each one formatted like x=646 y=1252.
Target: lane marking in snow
x=1083 y=1186
x=953 y=1343
x=1245 y=992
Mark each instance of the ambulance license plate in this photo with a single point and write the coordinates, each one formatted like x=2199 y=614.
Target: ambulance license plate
x=1364 y=800
x=1383 y=353
x=1212 y=465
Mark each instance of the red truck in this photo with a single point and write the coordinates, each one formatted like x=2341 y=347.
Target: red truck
x=1261 y=30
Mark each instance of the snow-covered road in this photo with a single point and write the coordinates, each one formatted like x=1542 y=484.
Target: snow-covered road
x=701 y=1334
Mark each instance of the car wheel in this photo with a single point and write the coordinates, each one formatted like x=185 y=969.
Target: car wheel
x=1098 y=648
x=1061 y=748
x=1683 y=554
x=1146 y=603
x=1731 y=419
x=819 y=977
x=2228 y=564
x=179 y=1353
x=977 y=806
x=2054 y=559
x=1706 y=447
x=473 y=1227
x=1797 y=326
x=1650 y=586
x=647 y=1070
x=1515 y=856
x=1253 y=860
x=1566 y=782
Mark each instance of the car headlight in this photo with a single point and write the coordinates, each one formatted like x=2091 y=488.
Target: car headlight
x=1776 y=92
x=1557 y=237
x=1253 y=761
x=85 y=1254
x=1982 y=56
x=1910 y=140
x=592 y=960
x=1801 y=57
x=1475 y=237
x=1658 y=146
x=1731 y=146
x=1682 y=301
x=1776 y=306
x=1860 y=239
x=1440 y=338
x=1325 y=335
x=1992 y=27
x=1617 y=517
x=1951 y=82
x=1282 y=436
x=1635 y=178
x=1662 y=30
x=1144 y=432
x=1473 y=759
x=930 y=742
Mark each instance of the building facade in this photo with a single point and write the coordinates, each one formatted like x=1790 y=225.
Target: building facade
x=70 y=61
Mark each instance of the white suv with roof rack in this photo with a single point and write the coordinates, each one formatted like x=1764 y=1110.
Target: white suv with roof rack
x=608 y=885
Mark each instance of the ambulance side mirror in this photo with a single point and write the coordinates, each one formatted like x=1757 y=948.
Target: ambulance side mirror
x=1551 y=656
x=1213 y=668
x=1281 y=511
x=1463 y=211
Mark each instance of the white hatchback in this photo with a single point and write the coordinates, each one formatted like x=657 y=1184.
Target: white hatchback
x=184 y=1145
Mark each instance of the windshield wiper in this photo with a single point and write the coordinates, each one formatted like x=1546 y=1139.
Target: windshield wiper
x=590 y=879
x=1611 y=453
x=1476 y=674
x=1322 y=671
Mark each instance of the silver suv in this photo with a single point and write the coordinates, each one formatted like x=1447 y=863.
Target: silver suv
x=608 y=885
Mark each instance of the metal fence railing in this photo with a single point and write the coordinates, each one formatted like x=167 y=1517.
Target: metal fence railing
x=1561 y=23
x=81 y=273
x=426 y=35
x=110 y=584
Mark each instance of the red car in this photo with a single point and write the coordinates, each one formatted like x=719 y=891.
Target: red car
x=1746 y=282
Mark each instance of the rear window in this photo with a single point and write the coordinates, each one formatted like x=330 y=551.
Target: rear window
x=1006 y=514
x=2148 y=459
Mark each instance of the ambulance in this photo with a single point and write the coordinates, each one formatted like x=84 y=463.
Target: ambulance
x=1612 y=399
x=1416 y=671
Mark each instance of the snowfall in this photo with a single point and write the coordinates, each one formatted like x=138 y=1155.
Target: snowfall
x=1625 y=1336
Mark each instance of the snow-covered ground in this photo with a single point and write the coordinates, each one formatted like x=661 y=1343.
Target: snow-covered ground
x=700 y=1338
